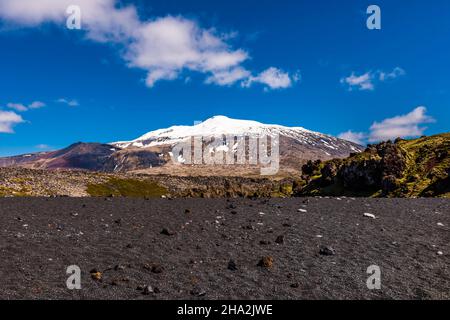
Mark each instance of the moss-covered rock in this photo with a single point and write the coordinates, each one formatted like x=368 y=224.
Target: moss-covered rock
x=117 y=187
x=405 y=168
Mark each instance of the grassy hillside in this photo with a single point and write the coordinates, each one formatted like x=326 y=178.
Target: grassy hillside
x=404 y=168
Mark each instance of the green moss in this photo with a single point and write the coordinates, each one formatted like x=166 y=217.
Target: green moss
x=425 y=174
x=286 y=189
x=126 y=188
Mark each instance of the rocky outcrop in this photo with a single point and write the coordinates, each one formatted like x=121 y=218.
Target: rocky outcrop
x=402 y=168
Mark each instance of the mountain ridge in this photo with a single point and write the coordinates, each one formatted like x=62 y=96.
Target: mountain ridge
x=152 y=152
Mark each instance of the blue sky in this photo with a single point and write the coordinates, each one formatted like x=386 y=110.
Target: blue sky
x=136 y=66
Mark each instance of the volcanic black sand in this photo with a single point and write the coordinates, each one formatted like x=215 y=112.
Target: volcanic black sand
x=182 y=248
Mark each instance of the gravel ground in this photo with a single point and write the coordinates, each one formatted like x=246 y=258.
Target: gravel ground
x=315 y=248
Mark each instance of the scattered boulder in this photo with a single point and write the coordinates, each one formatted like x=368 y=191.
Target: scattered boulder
x=167 y=232
x=96 y=275
x=157 y=269
x=266 y=262
x=369 y=215
x=198 y=292
x=232 y=265
x=327 y=251
x=148 y=290
x=280 y=240
x=119 y=267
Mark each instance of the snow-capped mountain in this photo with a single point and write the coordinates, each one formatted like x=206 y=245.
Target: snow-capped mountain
x=221 y=125
x=153 y=153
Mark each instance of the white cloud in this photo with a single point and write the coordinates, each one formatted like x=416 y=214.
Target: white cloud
x=273 y=78
x=20 y=107
x=8 y=120
x=361 y=82
x=17 y=106
x=36 y=105
x=69 y=102
x=228 y=77
x=356 y=137
x=397 y=72
x=403 y=126
x=367 y=81
x=164 y=47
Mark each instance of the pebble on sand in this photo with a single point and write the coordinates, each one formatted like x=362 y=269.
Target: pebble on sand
x=232 y=265
x=327 y=251
x=167 y=232
x=157 y=269
x=147 y=290
x=369 y=215
x=280 y=240
x=96 y=275
x=266 y=262
x=440 y=224
x=302 y=210
x=198 y=292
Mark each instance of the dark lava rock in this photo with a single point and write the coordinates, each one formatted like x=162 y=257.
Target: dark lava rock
x=327 y=251
x=96 y=275
x=295 y=285
x=264 y=243
x=249 y=227
x=115 y=282
x=167 y=232
x=187 y=211
x=198 y=292
x=119 y=267
x=266 y=262
x=148 y=290
x=231 y=206
x=233 y=212
x=232 y=265
x=157 y=268
x=280 y=240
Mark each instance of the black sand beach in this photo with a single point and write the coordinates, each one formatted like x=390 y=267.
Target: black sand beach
x=210 y=249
